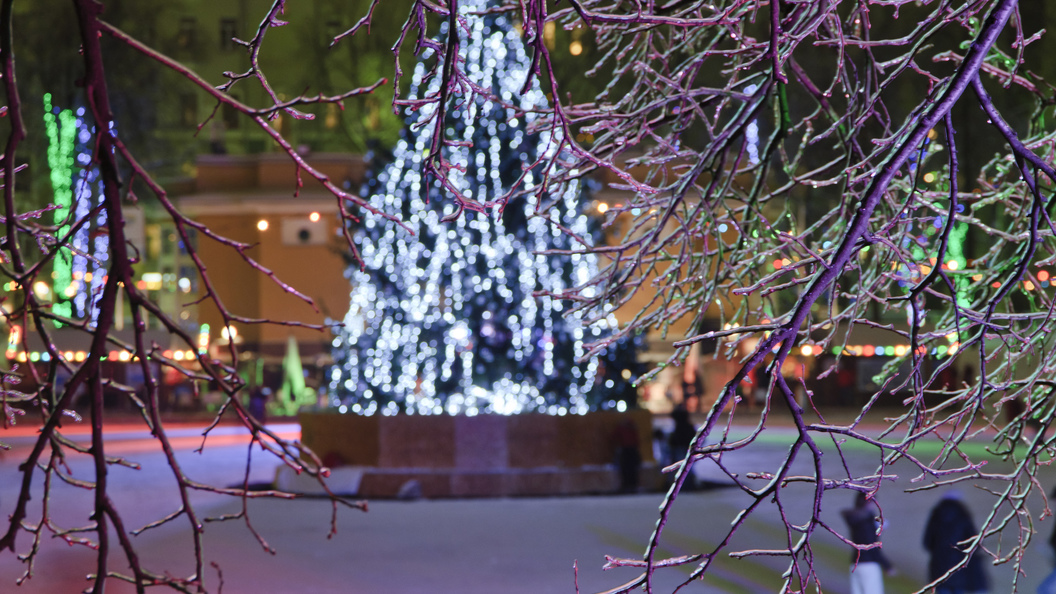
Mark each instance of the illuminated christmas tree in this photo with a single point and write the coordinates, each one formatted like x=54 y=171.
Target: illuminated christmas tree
x=444 y=320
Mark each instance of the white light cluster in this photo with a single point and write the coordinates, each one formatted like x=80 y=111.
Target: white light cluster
x=751 y=132
x=433 y=309
x=90 y=247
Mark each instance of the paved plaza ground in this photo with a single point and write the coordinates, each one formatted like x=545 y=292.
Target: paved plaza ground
x=518 y=545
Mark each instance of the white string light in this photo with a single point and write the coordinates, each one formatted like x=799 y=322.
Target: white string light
x=444 y=321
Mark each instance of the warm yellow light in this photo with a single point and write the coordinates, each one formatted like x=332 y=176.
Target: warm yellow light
x=901 y=350
x=41 y=289
x=929 y=177
x=1028 y=285
x=952 y=265
x=977 y=277
x=602 y=207
x=575 y=48
x=178 y=355
x=314 y=217
x=549 y=34
x=806 y=350
x=262 y=224
x=80 y=356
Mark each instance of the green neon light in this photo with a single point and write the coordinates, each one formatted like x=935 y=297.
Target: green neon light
x=61 y=132
x=955 y=253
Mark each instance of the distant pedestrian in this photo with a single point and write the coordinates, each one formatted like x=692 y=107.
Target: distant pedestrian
x=763 y=376
x=868 y=566
x=949 y=525
x=258 y=400
x=1049 y=585
x=661 y=451
x=681 y=439
x=692 y=389
x=628 y=455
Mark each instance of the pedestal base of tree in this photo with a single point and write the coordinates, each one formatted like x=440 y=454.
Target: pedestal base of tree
x=479 y=456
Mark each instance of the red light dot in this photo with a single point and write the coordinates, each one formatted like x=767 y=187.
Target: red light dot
x=996 y=285
x=1043 y=275
x=777 y=263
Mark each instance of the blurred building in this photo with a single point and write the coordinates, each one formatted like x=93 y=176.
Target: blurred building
x=292 y=243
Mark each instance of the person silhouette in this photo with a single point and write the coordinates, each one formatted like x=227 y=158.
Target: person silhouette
x=628 y=456
x=949 y=525
x=1049 y=585
x=867 y=566
x=681 y=439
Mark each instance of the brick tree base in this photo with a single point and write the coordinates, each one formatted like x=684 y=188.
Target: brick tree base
x=479 y=456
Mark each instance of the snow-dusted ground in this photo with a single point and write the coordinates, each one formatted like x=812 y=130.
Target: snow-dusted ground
x=468 y=546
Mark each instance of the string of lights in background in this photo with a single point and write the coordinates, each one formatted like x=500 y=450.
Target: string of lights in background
x=445 y=321
x=61 y=129
x=80 y=355
x=78 y=272
x=14 y=352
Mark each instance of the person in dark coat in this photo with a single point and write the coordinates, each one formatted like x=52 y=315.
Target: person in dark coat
x=628 y=455
x=1048 y=586
x=681 y=439
x=868 y=566
x=692 y=390
x=949 y=524
x=258 y=400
